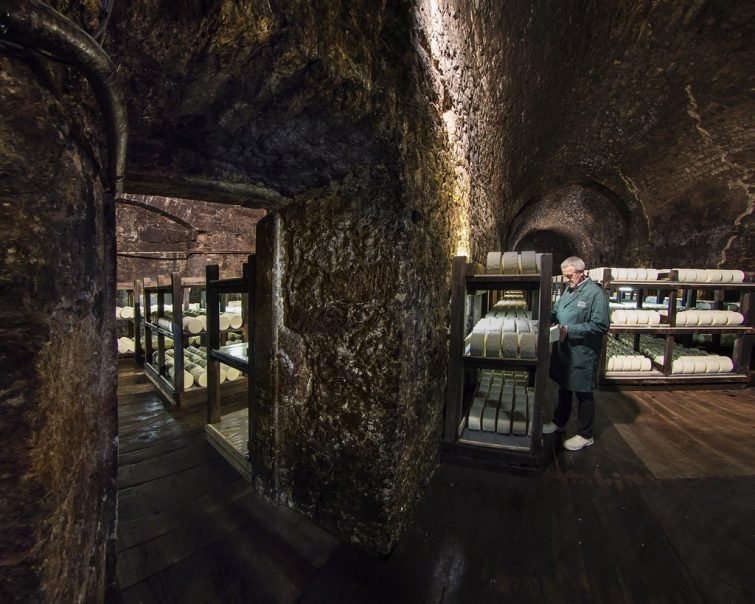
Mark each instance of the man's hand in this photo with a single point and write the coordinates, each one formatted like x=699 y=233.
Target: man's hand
x=563 y=329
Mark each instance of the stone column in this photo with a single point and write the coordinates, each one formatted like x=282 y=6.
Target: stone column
x=58 y=408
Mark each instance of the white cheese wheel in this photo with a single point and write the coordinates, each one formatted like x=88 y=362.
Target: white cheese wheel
x=737 y=276
x=493 y=342
x=527 y=342
x=643 y=317
x=489 y=416
x=509 y=345
x=636 y=363
x=510 y=263
x=734 y=318
x=192 y=324
x=523 y=326
x=235 y=319
x=123 y=346
x=493 y=265
x=503 y=425
x=725 y=364
x=654 y=317
x=631 y=317
x=231 y=373
x=704 y=317
x=646 y=364
x=127 y=312
x=700 y=363
x=619 y=317
x=474 y=420
x=528 y=262
x=199 y=374
x=477 y=343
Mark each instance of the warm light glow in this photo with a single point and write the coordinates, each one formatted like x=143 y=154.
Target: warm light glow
x=437 y=19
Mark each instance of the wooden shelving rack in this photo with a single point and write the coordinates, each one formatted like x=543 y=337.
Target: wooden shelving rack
x=230 y=433
x=485 y=449
x=670 y=289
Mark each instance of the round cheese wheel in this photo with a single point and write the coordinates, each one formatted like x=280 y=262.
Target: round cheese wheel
x=493 y=264
x=704 y=317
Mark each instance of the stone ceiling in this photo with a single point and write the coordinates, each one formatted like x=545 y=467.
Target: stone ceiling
x=264 y=103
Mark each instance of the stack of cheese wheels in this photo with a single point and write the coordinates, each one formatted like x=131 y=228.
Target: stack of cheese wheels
x=126 y=345
x=170 y=365
x=620 y=356
x=501 y=403
x=709 y=317
x=701 y=275
x=512 y=263
x=504 y=336
x=635 y=317
x=624 y=274
x=192 y=324
x=124 y=312
x=699 y=364
x=235 y=320
x=630 y=362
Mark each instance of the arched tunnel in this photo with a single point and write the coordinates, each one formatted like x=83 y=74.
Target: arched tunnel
x=382 y=139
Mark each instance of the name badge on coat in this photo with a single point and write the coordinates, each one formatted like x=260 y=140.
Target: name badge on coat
x=581 y=304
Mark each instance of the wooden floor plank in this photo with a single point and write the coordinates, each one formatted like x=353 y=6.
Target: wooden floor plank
x=156 y=495
x=167 y=464
x=611 y=523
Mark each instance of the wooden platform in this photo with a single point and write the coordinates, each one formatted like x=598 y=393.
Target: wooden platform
x=658 y=510
x=229 y=437
x=190 y=527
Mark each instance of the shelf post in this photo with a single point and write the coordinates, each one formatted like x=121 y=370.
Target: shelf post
x=178 y=340
x=455 y=388
x=212 y=273
x=543 y=352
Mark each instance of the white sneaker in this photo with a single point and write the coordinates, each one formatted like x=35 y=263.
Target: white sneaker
x=550 y=428
x=576 y=443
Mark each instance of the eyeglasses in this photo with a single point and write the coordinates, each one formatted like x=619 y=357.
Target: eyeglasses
x=571 y=275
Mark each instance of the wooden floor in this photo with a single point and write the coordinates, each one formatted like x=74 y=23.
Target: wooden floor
x=660 y=509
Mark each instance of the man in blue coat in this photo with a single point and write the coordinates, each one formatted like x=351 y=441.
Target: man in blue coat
x=583 y=318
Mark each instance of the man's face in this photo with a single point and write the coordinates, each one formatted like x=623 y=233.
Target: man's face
x=572 y=277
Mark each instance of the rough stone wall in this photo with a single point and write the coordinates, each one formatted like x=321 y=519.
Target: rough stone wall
x=158 y=236
x=645 y=102
x=351 y=378
x=58 y=413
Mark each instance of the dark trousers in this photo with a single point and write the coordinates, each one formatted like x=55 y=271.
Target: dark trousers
x=585 y=411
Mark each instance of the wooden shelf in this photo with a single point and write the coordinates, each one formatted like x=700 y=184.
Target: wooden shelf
x=745 y=334
x=225 y=432
x=668 y=330
x=498 y=363
x=173 y=391
x=491 y=449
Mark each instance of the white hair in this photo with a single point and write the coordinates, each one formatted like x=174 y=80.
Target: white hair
x=575 y=262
